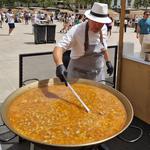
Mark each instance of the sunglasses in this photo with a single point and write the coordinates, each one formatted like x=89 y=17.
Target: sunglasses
x=147 y=14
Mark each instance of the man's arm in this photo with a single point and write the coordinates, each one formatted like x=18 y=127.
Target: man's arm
x=61 y=72
x=106 y=55
x=57 y=55
x=103 y=40
x=103 y=36
x=62 y=46
x=110 y=68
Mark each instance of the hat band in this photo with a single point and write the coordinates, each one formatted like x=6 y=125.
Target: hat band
x=98 y=15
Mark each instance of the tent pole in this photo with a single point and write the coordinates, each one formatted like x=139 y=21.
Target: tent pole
x=120 y=47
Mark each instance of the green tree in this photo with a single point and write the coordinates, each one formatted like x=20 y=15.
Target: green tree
x=9 y=3
x=146 y=3
x=143 y=3
x=137 y=4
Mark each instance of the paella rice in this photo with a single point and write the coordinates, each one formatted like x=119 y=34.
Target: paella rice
x=54 y=116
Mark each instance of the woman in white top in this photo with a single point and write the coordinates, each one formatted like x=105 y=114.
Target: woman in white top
x=11 y=20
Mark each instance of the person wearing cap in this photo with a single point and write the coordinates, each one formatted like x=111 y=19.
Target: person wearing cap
x=88 y=44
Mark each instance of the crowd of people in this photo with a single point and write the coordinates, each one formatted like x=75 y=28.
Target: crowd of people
x=70 y=20
x=26 y=16
x=23 y=16
x=38 y=17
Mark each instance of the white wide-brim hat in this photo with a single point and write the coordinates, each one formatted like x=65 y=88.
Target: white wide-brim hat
x=98 y=13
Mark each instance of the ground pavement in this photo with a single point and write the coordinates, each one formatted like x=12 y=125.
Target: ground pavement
x=22 y=41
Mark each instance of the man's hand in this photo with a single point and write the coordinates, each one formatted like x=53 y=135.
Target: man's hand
x=61 y=73
x=110 y=68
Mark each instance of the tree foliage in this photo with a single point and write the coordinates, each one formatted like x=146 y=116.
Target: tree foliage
x=46 y=3
x=52 y=2
x=142 y=3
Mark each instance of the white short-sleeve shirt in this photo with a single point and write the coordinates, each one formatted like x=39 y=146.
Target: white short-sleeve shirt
x=10 y=17
x=74 y=40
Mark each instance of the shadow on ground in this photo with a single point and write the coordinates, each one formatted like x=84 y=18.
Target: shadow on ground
x=29 y=33
x=4 y=34
x=30 y=43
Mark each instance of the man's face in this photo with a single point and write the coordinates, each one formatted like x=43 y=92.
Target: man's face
x=146 y=15
x=95 y=26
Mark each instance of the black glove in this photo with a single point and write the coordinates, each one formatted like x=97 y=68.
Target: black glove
x=61 y=73
x=110 y=68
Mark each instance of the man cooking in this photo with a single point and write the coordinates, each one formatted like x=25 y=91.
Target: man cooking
x=87 y=42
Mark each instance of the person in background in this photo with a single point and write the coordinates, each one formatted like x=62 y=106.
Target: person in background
x=51 y=17
x=1 y=19
x=136 y=23
x=143 y=29
x=26 y=17
x=125 y=25
x=81 y=17
x=109 y=26
x=65 y=24
x=42 y=16
x=48 y=18
x=88 y=44
x=22 y=16
x=11 y=21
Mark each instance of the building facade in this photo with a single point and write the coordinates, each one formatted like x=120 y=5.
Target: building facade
x=117 y=3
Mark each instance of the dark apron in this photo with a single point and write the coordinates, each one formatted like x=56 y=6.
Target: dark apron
x=90 y=66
